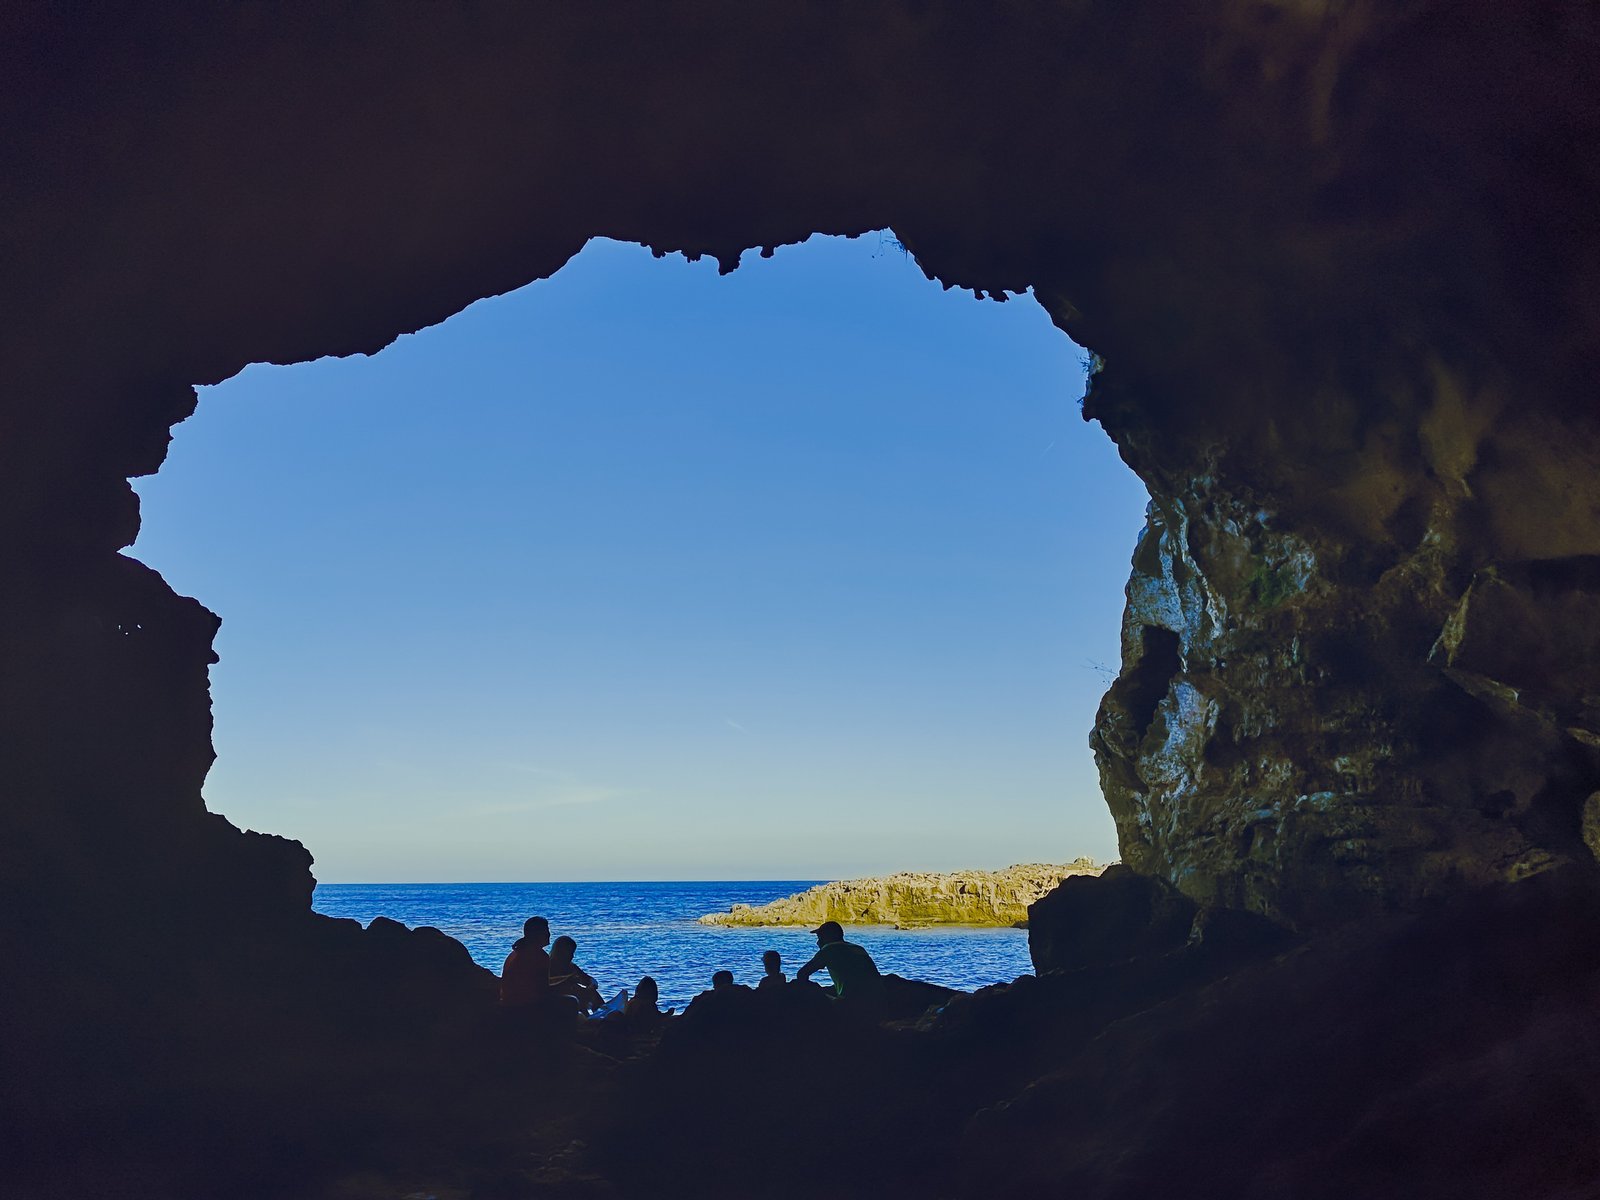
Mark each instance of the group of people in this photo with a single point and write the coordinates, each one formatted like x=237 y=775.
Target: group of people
x=549 y=982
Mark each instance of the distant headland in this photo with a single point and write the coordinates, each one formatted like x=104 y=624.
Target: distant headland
x=913 y=898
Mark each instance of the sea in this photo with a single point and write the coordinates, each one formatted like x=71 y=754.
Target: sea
x=627 y=930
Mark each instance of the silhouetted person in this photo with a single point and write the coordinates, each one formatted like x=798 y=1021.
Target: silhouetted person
x=725 y=1001
x=772 y=966
x=643 y=1012
x=567 y=978
x=525 y=977
x=856 y=981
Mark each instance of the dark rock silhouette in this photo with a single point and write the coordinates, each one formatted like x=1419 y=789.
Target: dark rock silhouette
x=1443 y=1053
x=1093 y=920
x=1338 y=268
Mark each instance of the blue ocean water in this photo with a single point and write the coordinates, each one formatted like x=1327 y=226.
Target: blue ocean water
x=625 y=930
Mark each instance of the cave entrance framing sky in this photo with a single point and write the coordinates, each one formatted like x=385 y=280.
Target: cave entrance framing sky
x=809 y=571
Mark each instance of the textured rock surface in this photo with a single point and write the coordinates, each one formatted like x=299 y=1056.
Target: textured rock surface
x=914 y=898
x=1312 y=724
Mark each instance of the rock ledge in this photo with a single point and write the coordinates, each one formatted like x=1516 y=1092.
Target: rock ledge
x=912 y=898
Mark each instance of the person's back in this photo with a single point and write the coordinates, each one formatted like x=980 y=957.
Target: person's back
x=725 y=1001
x=855 y=976
x=643 y=1011
x=772 y=966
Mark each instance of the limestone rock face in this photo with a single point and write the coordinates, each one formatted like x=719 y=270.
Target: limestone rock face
x=1316 y=720
x=915 y=898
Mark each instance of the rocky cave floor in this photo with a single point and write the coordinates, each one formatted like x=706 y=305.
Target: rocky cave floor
x=1451 y=1052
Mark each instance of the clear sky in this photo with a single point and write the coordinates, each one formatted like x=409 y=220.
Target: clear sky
x=809 y=571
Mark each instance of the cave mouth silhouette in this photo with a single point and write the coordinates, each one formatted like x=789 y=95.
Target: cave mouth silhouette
x=783 y=498
x=1341 y=264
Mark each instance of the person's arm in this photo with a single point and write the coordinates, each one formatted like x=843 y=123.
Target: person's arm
x=804 y=973
x=591 y=989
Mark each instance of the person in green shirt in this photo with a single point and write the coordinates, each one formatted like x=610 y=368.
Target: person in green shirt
x=856 y=981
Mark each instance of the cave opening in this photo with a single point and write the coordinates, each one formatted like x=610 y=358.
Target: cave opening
x=638 y=573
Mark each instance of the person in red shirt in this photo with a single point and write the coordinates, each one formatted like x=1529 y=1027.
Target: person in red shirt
x=525 y=978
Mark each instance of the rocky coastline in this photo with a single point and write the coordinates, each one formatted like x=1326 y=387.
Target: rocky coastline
x=909 y=899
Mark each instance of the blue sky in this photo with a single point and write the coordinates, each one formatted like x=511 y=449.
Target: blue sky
x=808 y=571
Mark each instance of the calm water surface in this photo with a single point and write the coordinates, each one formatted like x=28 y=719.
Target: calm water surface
x=625 y=930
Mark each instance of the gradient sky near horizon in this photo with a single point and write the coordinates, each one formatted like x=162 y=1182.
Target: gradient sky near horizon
x=810 y=571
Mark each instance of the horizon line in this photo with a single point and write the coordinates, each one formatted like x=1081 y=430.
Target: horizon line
x=741 y=879
x=508 y=882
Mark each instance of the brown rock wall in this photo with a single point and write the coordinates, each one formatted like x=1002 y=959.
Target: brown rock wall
x=1323 y=717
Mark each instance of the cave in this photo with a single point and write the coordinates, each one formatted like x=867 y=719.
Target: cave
x=1337 y=265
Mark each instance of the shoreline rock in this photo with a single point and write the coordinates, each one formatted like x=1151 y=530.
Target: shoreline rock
x=909 y=899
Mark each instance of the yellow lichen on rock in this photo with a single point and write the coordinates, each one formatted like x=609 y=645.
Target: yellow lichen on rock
x=909 y=898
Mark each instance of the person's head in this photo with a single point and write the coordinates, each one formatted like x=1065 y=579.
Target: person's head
x=536 y=930
x=647 y=990
x=563 y=948
x=722 y=981
x=829 y=931
x=772 y=961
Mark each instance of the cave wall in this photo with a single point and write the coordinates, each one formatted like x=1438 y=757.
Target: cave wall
x=1338 y=261
x=1313 y=726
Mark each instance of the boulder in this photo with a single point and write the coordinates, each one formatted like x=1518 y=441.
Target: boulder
x=1092 y=921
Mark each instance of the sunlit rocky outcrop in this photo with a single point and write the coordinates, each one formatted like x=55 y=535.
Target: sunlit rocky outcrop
x=912 y=898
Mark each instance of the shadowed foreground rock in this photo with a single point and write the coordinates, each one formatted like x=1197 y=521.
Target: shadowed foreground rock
x=914 y=898
x=1448 y=1049
x=1452 y=1053
x=1436 y=1056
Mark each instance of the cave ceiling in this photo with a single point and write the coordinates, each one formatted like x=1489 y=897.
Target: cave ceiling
x=1236 y=204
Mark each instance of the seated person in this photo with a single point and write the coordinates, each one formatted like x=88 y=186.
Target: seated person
x=726 y=998
x=772 y=965
x=525 y=977
x=526 y=998
x=856 y=981
x=643 y=1011
x=569 y=979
